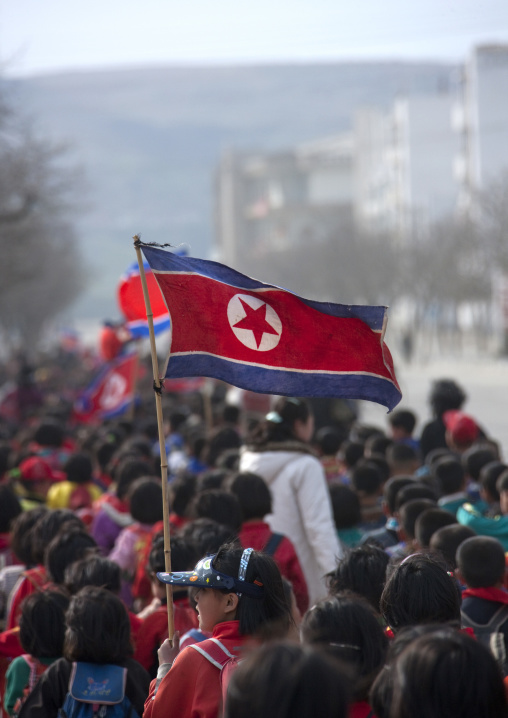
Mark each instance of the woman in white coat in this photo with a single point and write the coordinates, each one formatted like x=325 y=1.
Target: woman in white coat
x=301 y=508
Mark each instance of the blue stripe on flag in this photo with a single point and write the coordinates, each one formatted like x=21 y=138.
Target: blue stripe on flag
x=284 y=382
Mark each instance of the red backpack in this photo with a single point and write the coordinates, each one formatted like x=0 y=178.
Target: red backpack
x=217 y=653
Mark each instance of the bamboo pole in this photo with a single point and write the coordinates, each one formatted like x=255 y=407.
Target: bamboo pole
x=162 y=443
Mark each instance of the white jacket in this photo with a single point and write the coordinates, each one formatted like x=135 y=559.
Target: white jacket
x=301 y=509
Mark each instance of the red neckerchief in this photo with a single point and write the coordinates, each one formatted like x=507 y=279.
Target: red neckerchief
x=499 y=595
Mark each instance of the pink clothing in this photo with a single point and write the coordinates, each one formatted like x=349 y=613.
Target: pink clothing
x=127 y=551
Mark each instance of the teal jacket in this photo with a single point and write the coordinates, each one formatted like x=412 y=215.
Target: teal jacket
x=468 y=515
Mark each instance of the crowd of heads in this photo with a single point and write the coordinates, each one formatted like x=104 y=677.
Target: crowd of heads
x=389 y=634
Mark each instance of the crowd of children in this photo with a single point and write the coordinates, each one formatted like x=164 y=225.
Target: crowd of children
x=313 y=573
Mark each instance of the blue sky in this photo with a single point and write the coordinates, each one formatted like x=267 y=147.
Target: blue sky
x=38 y=36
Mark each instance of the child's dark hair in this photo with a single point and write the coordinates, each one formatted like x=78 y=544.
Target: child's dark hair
x=420 y=590
x=489 y=475
x=183 y=555
x=10 y=508
x=362 y=571
x=279 y=424
x=127 y=471
x=351 y=452
x=382 y=464
x=366 y=478
x=219 y=505
x=347 y=628
x=253 y=495
x=68 y=546
x=392 y=487
x=475 y=459
x=42 y=623
x=425 y=679
x=410 y=511
x=446 y=395
x=381 y=692
x=257 y=616
x=48 y=526
x=286 y=680
x=92 y=570
x=449 y=475
x=328 y=439
x=231 y=414
x=79 y=468
x=403 y=419
x=21 y=535
x=345 y=506
x=229 y=460
x=98 y=628
x=104 y=451
x=222 y=440
x=213 y=479
x=439 y=452
x=481 y=561
x=502 y=482
x=207 y=536
x=447 y=540
x=181 y=492
x=415 y=490
x=50 y=432
x=145 y=500
x=399 y=455
x=377 y=445
x=429 y=521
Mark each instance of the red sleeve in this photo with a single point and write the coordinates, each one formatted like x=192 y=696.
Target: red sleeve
x=9 y=643
x=290 y=568
x=32 y=580
x=10 y=648
x=191 y=689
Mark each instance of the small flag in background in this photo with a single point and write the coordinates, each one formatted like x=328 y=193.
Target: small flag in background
x=132 y=303
x=111 y=392
x=266 y=339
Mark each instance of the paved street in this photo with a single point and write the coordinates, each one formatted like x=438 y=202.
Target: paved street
x=484 y=380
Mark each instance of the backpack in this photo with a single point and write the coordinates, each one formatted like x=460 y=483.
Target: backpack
x=36 y=670
x=490 y=635
x=217 y=653
x=97 y=691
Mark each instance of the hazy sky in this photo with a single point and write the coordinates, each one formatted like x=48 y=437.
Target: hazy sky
x=52 y=35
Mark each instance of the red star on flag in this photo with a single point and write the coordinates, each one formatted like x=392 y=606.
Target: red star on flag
x=256 y=322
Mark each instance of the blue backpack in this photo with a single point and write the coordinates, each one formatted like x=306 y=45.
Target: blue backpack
x=97 y=691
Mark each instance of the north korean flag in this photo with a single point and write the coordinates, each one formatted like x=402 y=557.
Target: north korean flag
x=132 y=304
x=111 y=392
x=266 y=339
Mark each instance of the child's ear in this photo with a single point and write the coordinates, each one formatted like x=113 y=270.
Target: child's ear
x=231 y=603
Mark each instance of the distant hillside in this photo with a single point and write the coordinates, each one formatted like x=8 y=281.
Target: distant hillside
x=149 y=140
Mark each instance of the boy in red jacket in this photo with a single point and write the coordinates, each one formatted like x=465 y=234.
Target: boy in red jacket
x=256 y=503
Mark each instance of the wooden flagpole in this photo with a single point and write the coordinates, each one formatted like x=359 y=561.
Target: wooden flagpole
x=162 y=444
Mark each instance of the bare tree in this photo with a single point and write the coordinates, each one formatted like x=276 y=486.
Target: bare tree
x=40 y=268
x=493 y=222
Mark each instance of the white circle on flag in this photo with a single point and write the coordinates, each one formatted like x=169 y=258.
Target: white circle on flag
x=254 y=322
x=113 y=393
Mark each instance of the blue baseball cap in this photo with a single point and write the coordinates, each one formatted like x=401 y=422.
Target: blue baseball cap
x=205 y=575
